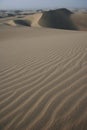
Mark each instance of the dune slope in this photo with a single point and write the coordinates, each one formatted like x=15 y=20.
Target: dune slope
x=43 y=79
x=59 y=18
x=22 y=22
x=28 y=20
x=80 y=20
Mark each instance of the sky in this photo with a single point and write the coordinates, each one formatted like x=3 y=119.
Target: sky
x=37 y=4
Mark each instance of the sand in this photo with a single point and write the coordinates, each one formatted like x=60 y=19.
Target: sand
x=43 y=79
x=59 y=19
x=80 y=20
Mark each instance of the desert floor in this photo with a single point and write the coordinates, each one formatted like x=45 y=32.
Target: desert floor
x=43 y=79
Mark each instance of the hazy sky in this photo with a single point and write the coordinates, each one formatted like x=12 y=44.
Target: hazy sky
x=31 y=4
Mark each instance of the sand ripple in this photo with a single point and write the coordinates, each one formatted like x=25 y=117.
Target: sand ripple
x=43 y=82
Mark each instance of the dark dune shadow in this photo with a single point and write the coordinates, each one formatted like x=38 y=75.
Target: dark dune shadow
x=23 y=22
x=59 y=19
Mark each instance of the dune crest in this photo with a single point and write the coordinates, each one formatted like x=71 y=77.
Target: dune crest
x=34 y=19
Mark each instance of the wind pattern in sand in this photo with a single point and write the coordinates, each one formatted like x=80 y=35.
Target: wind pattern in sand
x=43 y=81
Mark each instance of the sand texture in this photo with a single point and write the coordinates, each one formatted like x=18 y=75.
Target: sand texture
x=43 y=78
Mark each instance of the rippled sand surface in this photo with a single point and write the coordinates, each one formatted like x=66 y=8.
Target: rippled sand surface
x=43 y=79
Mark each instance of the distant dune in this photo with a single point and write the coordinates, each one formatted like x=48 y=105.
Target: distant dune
x=80 y=20
x=29 y=21
x=59 y=19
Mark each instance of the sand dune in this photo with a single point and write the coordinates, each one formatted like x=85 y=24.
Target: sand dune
x=34 y=19
x=80 y=20
x=30 y=21
x=59 y=19
x=43 y=78
x=11 y=23
x=64 y=19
